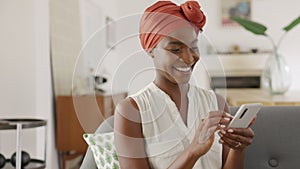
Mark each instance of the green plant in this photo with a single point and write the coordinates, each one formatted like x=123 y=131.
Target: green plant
x=260 y=29
x=276 y=75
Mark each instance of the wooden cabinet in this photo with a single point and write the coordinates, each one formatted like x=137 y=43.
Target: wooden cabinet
x=237 y=97
x=76 y=115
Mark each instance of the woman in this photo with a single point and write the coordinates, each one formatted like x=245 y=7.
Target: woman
x=171 y=123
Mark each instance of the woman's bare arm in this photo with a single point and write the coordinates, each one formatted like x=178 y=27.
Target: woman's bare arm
x=128 y=136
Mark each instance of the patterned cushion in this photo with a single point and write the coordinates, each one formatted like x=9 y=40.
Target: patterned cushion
x=103 y=148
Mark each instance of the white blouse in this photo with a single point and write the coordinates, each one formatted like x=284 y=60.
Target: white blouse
x=165 y=133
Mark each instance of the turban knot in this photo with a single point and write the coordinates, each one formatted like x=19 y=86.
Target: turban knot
x=164 y=17
x=192 y=12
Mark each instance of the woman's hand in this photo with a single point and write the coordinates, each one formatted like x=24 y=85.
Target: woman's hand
x=237 y=138
x=204 y=136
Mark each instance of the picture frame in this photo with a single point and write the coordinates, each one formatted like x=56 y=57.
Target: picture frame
x=110 y=32
x=240 y=8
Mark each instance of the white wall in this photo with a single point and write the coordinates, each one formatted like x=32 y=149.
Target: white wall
x=73 y=22
x=66 y=42
x=17 y=58
x=25 y=73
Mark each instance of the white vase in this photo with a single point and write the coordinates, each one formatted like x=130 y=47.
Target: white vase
x=276 y=76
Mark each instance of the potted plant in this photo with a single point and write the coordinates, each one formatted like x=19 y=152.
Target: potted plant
x=276 y=74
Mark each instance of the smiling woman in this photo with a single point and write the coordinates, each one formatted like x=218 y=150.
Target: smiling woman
x=171 y=123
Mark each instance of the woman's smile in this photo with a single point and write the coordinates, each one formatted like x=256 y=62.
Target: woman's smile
x=185 y=70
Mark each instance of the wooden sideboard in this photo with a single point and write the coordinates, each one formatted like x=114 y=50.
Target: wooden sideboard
x=237 y=97
x=76 y=115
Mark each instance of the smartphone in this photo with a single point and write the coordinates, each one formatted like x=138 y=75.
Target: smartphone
x=245 y=115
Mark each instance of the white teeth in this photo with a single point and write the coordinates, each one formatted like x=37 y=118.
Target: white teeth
x=183 y=69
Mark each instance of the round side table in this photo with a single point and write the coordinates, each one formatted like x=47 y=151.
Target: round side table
x=19 y=125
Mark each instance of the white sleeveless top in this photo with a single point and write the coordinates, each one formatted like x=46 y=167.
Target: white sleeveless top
x=165 y=133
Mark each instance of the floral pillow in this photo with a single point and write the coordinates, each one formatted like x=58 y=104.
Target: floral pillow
x=103 y=148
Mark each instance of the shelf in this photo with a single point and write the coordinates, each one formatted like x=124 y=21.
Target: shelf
x=6 y=124
x=33 y=164
x=235 y=65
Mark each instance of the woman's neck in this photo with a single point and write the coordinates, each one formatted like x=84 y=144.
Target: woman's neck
x=174 y=90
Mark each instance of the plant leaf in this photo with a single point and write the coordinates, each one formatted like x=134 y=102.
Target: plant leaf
x=251 y=26
x=292 y=24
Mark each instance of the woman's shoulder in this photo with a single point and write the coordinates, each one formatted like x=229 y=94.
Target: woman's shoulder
x=144 y=97
x=126 y=106
x=127 y=116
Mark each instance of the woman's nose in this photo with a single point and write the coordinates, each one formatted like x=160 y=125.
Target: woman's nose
x=188 y=57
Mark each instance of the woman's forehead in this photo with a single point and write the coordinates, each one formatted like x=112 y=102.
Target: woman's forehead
x=185 y=36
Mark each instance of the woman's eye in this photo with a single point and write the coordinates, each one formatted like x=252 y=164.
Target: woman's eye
x=175 y=50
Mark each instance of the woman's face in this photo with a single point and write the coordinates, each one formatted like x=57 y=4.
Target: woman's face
x=175 y=56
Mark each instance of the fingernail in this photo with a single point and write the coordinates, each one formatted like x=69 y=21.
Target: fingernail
x=222 y=126
x=223 y=132
x=221 y=135
x=221 y=141
x=230 y=131
x=227 y=119
x=228 y=114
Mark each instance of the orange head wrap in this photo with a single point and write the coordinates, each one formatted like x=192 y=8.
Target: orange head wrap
x=164 y=17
